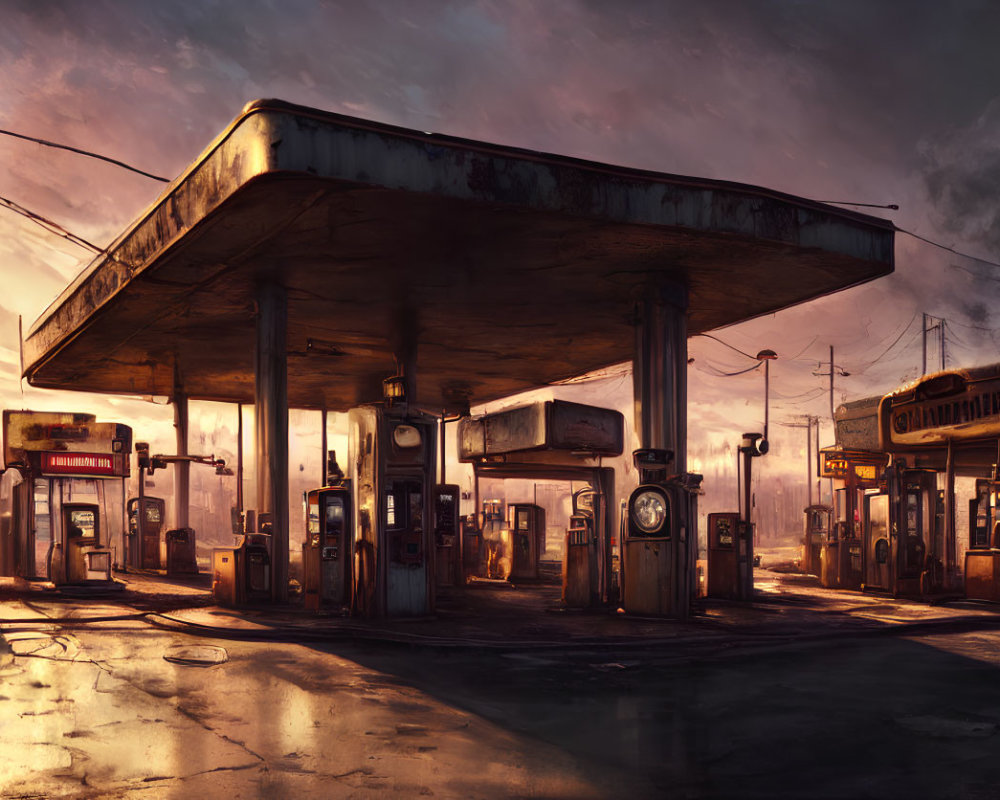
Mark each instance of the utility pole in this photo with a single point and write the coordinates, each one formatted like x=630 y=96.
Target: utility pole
x=939 y=324
x=923 y=338
x=943 y=359
x=819 y=483
x=834 y=369
x=831 y=384
x=808 y=425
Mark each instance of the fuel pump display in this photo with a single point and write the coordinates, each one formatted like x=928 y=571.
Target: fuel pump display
x=63 y=476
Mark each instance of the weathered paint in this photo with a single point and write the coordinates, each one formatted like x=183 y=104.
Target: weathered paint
x=513 y=268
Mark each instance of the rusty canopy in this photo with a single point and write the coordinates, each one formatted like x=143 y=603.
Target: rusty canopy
x=506 y=269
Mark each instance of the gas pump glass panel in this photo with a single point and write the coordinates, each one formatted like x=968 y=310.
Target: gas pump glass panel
x=982 y=515
x=334 y=516
x=404 y=508
x=724 y=533
x=649 y=512
x=81 y=523
x=43 y=526
x=312 y=519
x=914 y=548
x=406 y=437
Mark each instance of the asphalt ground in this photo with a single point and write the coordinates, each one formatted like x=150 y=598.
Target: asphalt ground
x=152 y=691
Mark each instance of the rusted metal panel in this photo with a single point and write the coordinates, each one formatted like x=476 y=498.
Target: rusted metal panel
x=549 y=425
x=646 y=564
x=575 y=426
x=54 y=433
x=856 y=425
x=516 y=429
x=471 y=438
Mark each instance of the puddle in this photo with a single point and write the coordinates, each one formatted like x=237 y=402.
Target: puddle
x=948 y=727
x=196 y=655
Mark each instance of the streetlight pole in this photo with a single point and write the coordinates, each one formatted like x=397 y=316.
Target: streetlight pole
x=767 y=356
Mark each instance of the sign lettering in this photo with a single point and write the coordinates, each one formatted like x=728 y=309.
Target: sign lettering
x=78 y=464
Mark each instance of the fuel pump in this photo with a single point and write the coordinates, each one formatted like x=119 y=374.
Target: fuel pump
x=63 y=474
x=660 y=539
x=753 y=446
x=326 y=552
x=527 y=530
x=818 y=525
x=579 y=559
x=910 y=553
x=391 y=464
x=446 y=533
x=144 y=529
x=725 y=534
x=982 y=559
x=181 y=546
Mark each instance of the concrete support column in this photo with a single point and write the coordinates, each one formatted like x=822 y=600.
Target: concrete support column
x=271 y=426
x=182 y=469
x=659 y=372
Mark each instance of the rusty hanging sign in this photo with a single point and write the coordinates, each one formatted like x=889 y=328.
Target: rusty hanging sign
x=962 y=405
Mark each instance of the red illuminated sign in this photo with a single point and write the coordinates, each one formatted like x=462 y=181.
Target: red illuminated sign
x=78 y=464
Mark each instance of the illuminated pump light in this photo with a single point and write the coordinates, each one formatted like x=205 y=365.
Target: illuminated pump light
x=649 y=512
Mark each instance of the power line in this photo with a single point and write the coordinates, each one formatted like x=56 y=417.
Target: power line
x=87 y=153
x=717 y=339
x=946 y=247
x=720 y=374
x=50 y=226
x=894 y=343
x=811 y=343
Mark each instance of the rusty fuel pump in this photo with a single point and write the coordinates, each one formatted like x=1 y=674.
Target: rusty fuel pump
x=660 y=540
x=181 y=552
x=753 y=446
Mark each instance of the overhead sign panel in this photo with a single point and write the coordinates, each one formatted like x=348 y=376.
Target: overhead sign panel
x=552 y=425
x=861 y=468
x=37 y=438
x=959 y=406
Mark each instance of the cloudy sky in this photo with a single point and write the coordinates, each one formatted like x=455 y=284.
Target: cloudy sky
x=868 y=102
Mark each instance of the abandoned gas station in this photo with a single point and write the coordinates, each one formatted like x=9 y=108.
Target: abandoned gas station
x=311 y=260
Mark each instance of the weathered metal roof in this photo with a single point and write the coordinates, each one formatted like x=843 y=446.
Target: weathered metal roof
x=510 y=268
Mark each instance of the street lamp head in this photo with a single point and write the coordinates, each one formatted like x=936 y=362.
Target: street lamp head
x=766 y=355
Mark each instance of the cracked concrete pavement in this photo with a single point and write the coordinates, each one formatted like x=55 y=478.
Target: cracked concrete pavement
x=808 y=691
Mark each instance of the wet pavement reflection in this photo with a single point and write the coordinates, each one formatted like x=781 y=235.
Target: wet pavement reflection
x=832 y=692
